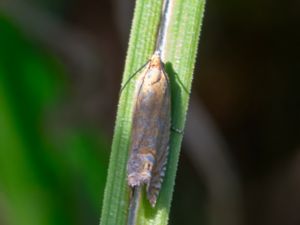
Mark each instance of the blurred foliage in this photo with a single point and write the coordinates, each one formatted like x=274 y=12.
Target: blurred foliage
x=46 y=177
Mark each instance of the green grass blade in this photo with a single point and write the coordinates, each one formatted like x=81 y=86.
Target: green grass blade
x=179 y=55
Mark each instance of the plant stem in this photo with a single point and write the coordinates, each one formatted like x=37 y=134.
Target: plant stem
x=179 y=54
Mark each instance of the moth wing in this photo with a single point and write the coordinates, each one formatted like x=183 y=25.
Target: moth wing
x=159 y=167
x=138 y=134
x=139 y=114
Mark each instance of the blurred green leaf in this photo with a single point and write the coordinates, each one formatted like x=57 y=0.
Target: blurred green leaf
x=44 y=179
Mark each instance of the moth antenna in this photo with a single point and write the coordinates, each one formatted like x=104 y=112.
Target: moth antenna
x=133 y=75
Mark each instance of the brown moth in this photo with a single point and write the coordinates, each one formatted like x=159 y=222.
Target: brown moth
x=151 y=129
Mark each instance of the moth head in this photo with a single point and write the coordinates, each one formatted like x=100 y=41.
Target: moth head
x=155 y=60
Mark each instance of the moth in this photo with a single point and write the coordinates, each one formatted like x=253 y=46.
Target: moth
x=151 y=129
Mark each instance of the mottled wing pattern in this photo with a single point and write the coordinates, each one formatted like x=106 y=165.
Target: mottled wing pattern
x=162 y=151
x=151 y=130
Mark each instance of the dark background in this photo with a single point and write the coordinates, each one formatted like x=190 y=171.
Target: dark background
x=60 y=70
